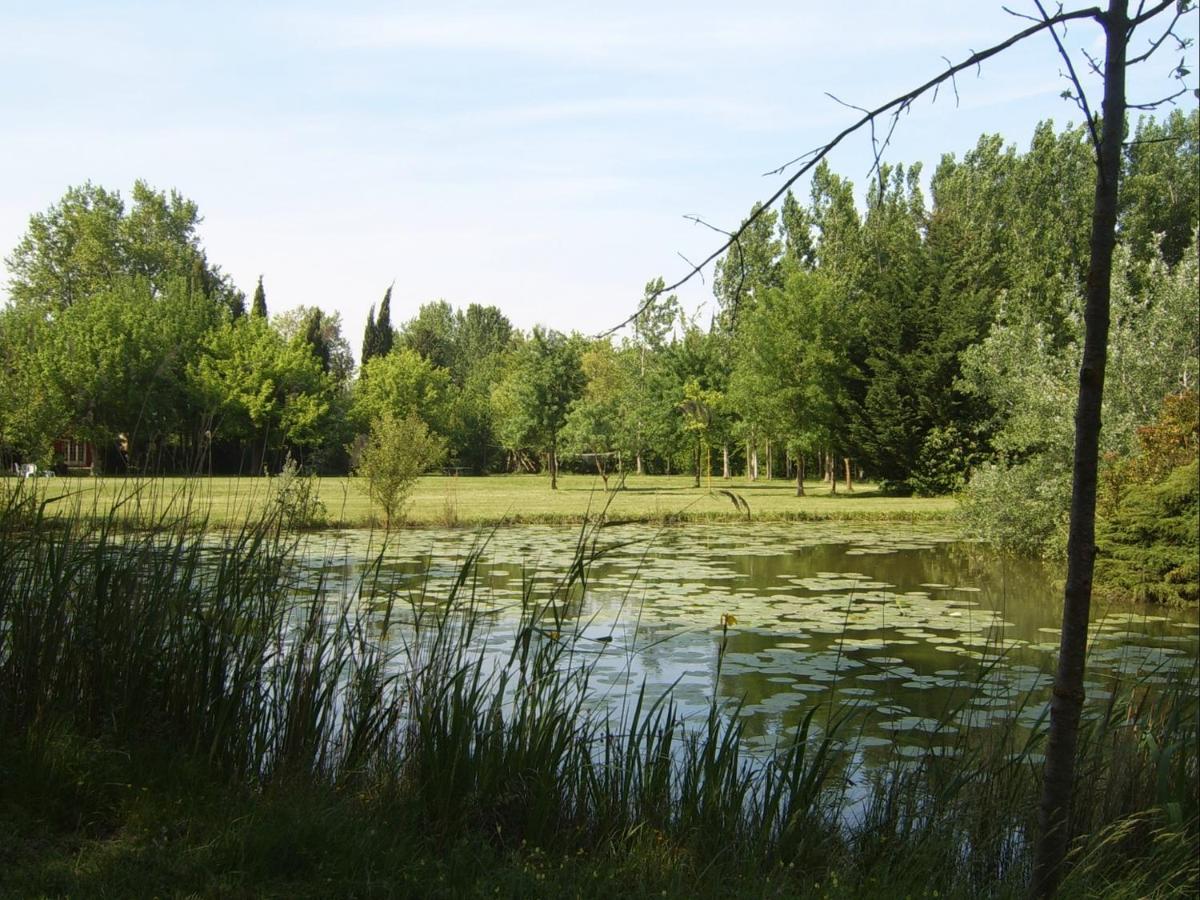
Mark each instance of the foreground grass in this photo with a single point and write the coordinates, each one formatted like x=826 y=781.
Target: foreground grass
x=440 y=500
x=188 y=720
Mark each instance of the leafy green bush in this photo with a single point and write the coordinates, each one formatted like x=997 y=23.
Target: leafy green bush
x=1150 y=546
x=397 y=451
x=941 y=465
x=1020 y=508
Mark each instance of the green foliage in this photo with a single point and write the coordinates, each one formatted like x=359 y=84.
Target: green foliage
x=378 y=336
x=402 y=383
x=941 y=463
x=542 y=378
x=257 y=386
x=1160 y=186
x=396 y=452
x=597 y=425
x=89 y=238
x=1021 y=507
x=295 y=499
x=180 y=715
x=258 y=306
x=432 y=333
x=322 y=333
x=1148 y=547
x=790 y=362
x=1028 y=380
x=920 y=340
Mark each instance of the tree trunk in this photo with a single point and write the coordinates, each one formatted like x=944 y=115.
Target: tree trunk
x=552 y=463
x=770 y=471
x=697 y=484
x=831 y=474
x=725 y=460
x=639 y=463
x=800 y=475
x=754 y=463
x=849 y=480
x=1066 y=702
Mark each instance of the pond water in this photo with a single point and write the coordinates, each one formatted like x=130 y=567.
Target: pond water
x=927 y=634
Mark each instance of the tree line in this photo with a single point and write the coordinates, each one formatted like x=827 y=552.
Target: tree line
x=924 y=342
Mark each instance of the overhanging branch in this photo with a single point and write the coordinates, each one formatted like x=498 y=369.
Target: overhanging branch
x=895 y=106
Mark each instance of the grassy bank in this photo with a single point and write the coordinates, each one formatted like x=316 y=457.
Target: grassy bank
x=440 y=500
x=179 y=720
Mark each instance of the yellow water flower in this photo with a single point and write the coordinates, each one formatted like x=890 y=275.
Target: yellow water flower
x=728 y=619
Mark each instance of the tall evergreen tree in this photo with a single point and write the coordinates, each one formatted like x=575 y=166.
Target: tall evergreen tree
x=258 y=306
x=368 y=343
x=383 y=325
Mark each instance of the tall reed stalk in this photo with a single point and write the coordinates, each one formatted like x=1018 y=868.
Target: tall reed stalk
x=214 y=647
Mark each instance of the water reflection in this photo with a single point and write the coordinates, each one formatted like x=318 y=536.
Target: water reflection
x=922 y=631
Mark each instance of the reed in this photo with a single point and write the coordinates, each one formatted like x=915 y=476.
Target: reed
x=196 y=664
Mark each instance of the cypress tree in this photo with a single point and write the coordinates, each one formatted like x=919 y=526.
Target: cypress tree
x=259 y=305
x=368 y=344
x=314 y=336
x=383 y=325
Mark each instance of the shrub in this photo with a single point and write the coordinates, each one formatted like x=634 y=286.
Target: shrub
x=396 y=452
x=295 y=497
x=941 y=465
x=1020 y=508
x=1148 y=547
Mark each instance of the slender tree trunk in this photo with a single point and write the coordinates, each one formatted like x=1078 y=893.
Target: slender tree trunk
x=725 y=461
x=832 y=473
x=770 y=471
x=754 y=463
x=639 y=463
x=1066 y=702
x=697 y=484
x=849 y=479
x=800 y=475
x=552 y=462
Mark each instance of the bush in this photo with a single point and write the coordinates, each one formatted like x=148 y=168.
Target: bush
x=1148 y=547
x=396 y=452
x=1021 y=508
x=295 y=498
x=941 y=465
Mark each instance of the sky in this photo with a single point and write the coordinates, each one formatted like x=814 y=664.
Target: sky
x=541 y=157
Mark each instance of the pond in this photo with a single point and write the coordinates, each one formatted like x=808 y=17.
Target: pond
x=926 y=634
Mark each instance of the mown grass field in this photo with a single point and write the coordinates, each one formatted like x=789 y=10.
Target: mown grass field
x=442 y=500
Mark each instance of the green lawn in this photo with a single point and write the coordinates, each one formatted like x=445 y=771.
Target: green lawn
x=440 y=500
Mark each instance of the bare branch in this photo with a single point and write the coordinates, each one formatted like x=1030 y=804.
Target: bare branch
x=1020 y=15
x=953 y=84
x=791 y=162
x=901 y=102
x=1080 y=96
x=1160 y=140
x=690 y=263
x=735 y=240
x=696 y=220
x=1157 y=103
x=1154 y=45
x=1148 y=14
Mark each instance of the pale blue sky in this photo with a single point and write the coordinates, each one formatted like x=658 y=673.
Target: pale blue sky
x=538 y=156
